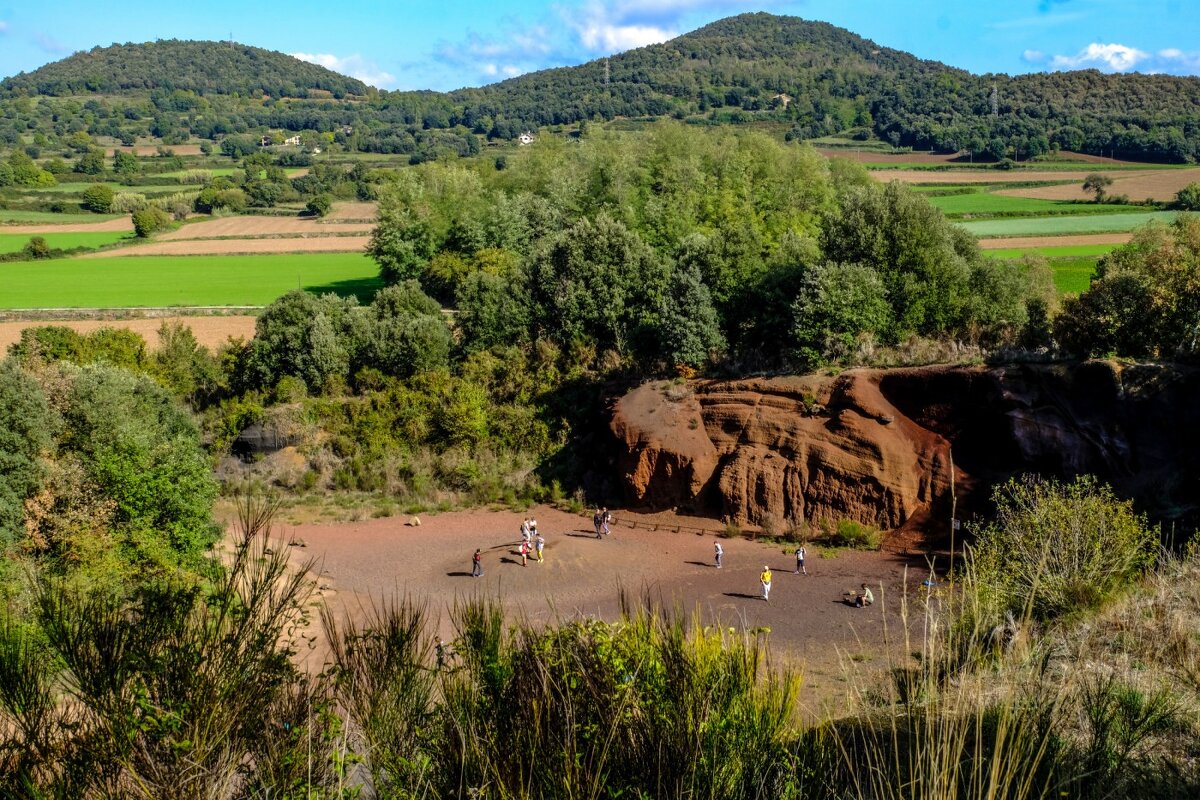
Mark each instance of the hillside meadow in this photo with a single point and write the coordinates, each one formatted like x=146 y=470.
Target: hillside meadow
x=159 y=281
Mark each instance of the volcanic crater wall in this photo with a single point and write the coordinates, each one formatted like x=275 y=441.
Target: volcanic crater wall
x=883 y=447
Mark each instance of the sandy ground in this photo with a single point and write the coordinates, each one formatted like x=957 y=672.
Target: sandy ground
x=1160 y=185
x=810 y=626
x=210 y=331
x=1054 y=241
x=196 y=247
x=119 y=224
x=261 y=226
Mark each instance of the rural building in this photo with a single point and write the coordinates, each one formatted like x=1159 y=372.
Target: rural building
x=294 y=141
x=525 y=138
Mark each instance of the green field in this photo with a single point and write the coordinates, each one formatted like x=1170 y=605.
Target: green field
x=154 y=281
x=12 y=242
x=987 y=203
x=1052 y=226
x=1072 y=267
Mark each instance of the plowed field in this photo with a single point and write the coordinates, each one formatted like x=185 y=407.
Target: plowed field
x=197 y=247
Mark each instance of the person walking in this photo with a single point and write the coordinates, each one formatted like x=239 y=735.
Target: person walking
x=800 y=570
x=765 y=580
x=598 y=522
x=717 y=553
x=477 y=564
x=605 y=519
x=524 y=554
x=539 y=543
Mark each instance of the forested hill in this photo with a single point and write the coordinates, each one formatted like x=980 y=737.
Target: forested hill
x=739 y=68
x=201 y=67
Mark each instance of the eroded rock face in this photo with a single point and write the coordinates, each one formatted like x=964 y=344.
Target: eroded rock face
x=883 y=447
x=796 y=448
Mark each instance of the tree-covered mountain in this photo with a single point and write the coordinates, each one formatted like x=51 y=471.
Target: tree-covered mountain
x=196 y=66
x=816 y=78
x=828 y=80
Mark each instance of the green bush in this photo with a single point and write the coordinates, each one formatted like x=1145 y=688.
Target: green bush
x=97 y=198
x=37 y=248
x=149 y=220
x=1056 y=548
x=320 y=205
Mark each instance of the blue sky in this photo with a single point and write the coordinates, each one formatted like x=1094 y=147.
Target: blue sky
x=446 y=45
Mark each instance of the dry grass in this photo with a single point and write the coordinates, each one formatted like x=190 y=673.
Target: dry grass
x=1160 y=185
x=1031 y=242
x=250 y=226
x=119 y=224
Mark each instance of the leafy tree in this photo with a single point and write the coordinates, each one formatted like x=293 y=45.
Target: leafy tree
x=492 y=310
x=689 y=328
x=596 y=281
x=402 y=241
x=36 y=248
x=91 y=162
x=144 y=452
x=1188 y=198
x=126 y=164
x=27 y=427
x=320 y=205
x=98 y=198
x=409 y=334
x=1096 y=184
x=837 y=304
x=181 y=364
x=149 y=220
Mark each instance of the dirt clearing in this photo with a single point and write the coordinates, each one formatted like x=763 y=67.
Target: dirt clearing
x=229 y=247
x=1031 y=242
x=152 y=149
x=210 y=331
x=583 y=577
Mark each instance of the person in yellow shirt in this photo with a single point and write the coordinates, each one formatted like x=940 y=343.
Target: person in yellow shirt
x=765 y=579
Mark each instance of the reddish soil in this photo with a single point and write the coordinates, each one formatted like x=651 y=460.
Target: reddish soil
x=119 y=224
x=1054 y=241
x=210 y=331
x=196 y=247
x=809 y=624
x=352 y=212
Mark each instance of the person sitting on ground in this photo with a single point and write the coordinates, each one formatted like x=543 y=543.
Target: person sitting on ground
x=865 y=598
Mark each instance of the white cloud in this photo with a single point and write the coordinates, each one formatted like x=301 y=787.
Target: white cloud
x=3 y=26
x=603 y=36
x=1110 y=57
x=1171 y=52
x=354 y=65
x=1033 y=56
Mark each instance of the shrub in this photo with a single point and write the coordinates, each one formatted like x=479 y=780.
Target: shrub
x=320 y=205
x=37 y=247
x=196 y=176
x=97 y=198
x=1054 y=548
x=178 y=205
x=128 y=202
x=149 y=220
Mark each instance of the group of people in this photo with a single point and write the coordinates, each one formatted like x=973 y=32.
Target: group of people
x=532 y=543
x=601 y=521
x=860 y=599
